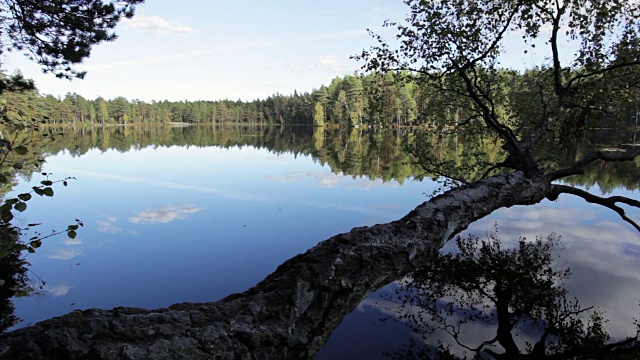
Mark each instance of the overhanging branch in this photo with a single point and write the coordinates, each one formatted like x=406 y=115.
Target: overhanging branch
x=609 y=202
x=578 y=167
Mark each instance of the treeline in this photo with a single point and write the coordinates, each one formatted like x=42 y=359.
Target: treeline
x=354 y=100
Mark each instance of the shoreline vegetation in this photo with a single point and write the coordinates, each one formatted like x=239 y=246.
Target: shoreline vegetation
x=335 y=126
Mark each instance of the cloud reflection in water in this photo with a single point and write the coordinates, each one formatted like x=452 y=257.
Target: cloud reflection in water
x=58 y=290
x=165 y=214
x=64 y=254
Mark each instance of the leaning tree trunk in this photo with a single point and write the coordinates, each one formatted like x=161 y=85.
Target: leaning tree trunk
x=292 y=312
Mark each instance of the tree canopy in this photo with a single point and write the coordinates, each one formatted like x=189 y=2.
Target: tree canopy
x=59 y=34
x=455 y=47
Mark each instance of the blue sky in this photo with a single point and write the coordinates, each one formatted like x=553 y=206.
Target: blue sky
x=224 y=49
x=206 y=50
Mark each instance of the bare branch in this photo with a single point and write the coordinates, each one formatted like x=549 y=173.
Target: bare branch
x=609 y=202
x=601 y=71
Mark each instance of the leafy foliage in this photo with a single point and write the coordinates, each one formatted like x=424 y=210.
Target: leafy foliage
x=60 y=34
x=454 y=47
x=18 y=151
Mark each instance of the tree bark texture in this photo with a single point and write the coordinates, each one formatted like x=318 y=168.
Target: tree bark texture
x=292 y=312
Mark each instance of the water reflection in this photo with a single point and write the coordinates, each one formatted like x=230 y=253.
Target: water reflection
x=64 y=254
x=600 y=251
x=164 y=214
x=14 y=278
x=371 y=153
x=225 y=209
x=488 y=300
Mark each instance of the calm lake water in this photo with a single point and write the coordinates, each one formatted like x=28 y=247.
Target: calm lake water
x=179 y=215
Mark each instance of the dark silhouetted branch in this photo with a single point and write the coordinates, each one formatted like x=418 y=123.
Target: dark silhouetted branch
x=609 y=202
x=578 y=167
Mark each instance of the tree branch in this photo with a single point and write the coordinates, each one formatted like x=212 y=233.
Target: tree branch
x=601 y=71
x=578 y=167
x=609 y=202
x=560 y=90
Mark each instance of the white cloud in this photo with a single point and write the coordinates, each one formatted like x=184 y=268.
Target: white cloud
x=107 y=227
x=58 y=290
x=62 y=254
x=164 y=215
x=157 y=24
x=331 y=63
x=246 y=45
x=328 y=181
x=70 y=241
x=367 y=184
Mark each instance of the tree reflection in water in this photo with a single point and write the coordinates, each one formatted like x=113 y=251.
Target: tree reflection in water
x=14 y=281
x=493 y=302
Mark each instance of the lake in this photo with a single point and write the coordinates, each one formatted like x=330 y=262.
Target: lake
x=197 y=213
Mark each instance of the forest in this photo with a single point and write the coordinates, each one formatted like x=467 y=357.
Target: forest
x=372 y=99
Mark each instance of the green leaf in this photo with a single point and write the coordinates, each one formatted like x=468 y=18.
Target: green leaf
x=5 y=207
x=72 y=227
x=48 y=191
x=72 y=234
x=38 y=190
x=21 y=150
x=6 y=216
x=36 y=244
x=46 y=182
x=34 y=224
x=24 y=197
x=12 y=201
x=31 y=250
x=20 y=206
x=21 y=247
x=64 y=183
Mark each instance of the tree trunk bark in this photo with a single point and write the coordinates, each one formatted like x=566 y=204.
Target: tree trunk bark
x=292 y=312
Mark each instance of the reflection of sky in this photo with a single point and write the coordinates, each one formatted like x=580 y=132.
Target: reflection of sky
x=57 y=290
x=602 y=252
x=164 y=214
x=194 y=224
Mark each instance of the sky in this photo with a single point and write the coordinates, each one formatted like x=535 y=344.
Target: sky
x=210 y=50
x=214 y=50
